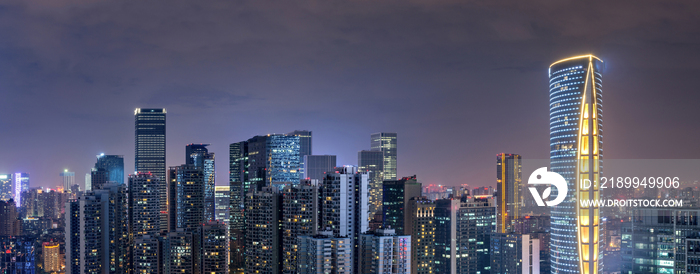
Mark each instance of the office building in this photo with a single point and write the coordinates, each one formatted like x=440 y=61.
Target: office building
x=316 y=166
x=692 y=256
x=223 y=202
x=68 y=179
x=146 y=254
x=299 y=218
x=21 y=184
x=179 y=252
x=144 y=210
x=198 y=155
x=262 y=161
x=97 y=238
x=108 y=169
x=150 y=151
x=420 y=225
x=462 y=235
x=483 y=191
x=324 y=253
x=386 y=143
x=384 y=252
x=576 y=153
x=9 y=222
x=263 y=216
x=508 y=183
x=372 y=162
x=345 y=208
x=395 y=198
x=514 y=253
x=50 y=257
x=214 y=248
x=6 y=187
x=656 y=239
x=29 y=207
x=18 y=255
x=304 y=146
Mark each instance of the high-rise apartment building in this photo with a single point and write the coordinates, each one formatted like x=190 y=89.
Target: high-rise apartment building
x=514 y=253
x=345 y=208
x=68 y=179
x=214 y=248
x=50 y=257
x=576 y=153
x=420 y=225
x=316 y=166
x=263 y=216
x=150 y=151
x=147 y=254
x=386 y=143
x=384 y=252
x=9 y=224
x=21 y=184
x=300 y=206
x=372 y=162
x=508 y=183
x=223 y=202
x=97 y=238
x=323 y=253
x=179 y=252
x=462 y=229
x=395 y=198
x=144 y=209
x=187 y=208
x=199 y=156
x=6 y=187
x=108 y=169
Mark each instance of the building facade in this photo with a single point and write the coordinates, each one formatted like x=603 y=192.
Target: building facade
x=263 y=216
x=108 y=169
x=576 y=153
x=420 y=225
x=514 y=253
x=214 y=248
x=300 y=207
x=149 y=150
x=324 y=253
x=372 y=162
x=315 y=166
x=384 y=252
x=144 y=209
x=508 y=183
x=68 y=179
x=386 y=143
x=395 y=197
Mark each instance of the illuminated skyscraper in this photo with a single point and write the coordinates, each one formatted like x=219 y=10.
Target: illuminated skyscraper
x=396 y=196
x=150 y=151
x=576 y=153
x=198 y=155
x=50 y=253
x=6 y=187
x=68 y=179
x=372 y=162
x=144 y=214
x=386 y=143
x=508 y=183
x=21 y=184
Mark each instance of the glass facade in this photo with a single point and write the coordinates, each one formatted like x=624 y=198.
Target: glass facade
x=6 y=187
x=372 y=162
x=576 y=153
x=386 y=143
x=150 y=151
x=108 y=169
x=508 y=183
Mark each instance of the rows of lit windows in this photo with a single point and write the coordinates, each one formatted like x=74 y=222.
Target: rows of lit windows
x=563 y=80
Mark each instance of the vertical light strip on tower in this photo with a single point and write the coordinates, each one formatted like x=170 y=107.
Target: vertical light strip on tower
x=575 y=94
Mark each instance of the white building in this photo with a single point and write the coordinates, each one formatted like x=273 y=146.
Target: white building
x=385 y=252
x=324 y=253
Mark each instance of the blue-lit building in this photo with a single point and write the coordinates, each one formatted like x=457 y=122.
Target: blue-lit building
x=18 y=255
x=108 y=169
x=264 y=161
x=199 y=156
x=21 y=184
x=576 y=153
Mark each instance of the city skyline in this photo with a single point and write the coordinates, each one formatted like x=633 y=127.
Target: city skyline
x=213 y=85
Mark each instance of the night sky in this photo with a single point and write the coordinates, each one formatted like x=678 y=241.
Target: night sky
x=459 y=81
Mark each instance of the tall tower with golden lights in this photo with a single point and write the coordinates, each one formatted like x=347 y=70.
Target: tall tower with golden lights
x=576 y=153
